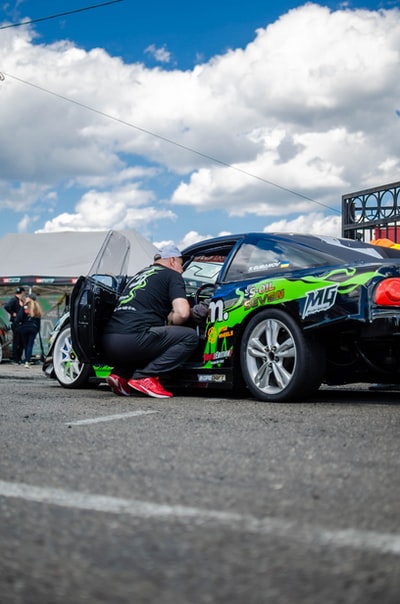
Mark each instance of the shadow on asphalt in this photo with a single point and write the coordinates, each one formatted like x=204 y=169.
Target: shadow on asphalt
x=347 y=394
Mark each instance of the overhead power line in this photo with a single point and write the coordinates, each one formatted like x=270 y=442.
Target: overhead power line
x=168 y=140
x=70 y=12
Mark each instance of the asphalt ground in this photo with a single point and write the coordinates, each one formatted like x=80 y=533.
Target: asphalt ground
x=196 y=499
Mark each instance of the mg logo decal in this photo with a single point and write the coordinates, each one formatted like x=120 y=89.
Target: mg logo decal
x=319 y=300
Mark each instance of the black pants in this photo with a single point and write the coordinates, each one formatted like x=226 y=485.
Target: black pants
x=17 y=346
x=151 y=353
x=28 y=337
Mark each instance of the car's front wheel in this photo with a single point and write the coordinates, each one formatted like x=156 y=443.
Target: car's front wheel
x=68 y=369
x=278 y=362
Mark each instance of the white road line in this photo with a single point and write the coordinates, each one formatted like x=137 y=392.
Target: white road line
x=310 y=534
x=109 y=418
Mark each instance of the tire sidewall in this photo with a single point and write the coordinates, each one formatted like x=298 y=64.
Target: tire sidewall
x=82 y=378
x=306 y=374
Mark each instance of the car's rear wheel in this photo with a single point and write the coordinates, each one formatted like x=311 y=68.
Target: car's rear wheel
x=68 y=369
x=278 y=362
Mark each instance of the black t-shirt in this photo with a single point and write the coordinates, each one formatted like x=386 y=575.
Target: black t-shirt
x=12 y=306
x=146 y=300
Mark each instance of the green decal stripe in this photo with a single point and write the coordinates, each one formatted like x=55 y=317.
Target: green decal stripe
x=347 y=280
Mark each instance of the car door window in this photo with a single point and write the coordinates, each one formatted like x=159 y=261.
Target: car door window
x=266 y=257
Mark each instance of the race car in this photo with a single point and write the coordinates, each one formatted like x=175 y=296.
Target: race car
x=286 y=313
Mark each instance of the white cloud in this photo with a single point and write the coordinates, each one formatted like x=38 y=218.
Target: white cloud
x=313 y=114
x=314 y=222
x=160 y=54
x=20 y=196
x=193 y=237
x=122 y=208
x=190 y=238
x=24 y=223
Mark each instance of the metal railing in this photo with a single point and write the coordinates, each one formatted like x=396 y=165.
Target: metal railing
x=372 y=213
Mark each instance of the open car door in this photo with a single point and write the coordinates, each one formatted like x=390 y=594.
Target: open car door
x=95 y=295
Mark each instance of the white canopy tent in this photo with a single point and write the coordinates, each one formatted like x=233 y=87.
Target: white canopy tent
x=49 y=264
x=44 y=261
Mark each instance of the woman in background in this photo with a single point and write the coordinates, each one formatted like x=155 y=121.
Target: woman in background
x=28 y=318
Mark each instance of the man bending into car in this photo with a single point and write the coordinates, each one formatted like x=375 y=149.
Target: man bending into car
x=145 y=337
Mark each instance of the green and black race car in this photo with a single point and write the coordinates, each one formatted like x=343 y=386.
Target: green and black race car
x=286 y=313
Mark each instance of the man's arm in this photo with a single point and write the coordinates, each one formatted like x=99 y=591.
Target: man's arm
x=180 y=312
x=11 y=307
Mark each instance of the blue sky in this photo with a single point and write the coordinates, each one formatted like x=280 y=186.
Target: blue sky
x=185 y=121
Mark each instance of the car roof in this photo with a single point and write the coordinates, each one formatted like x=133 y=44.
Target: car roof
x=338 y=247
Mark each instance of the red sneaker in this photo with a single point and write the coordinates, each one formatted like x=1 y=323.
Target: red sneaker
x=118 y=385
x=150 y=386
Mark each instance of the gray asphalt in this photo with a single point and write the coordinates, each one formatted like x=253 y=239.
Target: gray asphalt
x=196 y=499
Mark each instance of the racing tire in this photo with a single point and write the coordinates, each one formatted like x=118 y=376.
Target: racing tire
x=278 y=362
x=68 y=369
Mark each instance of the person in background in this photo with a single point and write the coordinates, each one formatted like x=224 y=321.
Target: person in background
x=146 y=336
x=29 y=318
x=12 y=306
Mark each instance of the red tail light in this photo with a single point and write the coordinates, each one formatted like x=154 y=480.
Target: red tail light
x=388 y=292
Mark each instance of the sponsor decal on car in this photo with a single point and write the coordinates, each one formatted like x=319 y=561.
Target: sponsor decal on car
x=217 y=356
x=314 y=294
x=219 y=346
x=318 y=300
x=213 y=377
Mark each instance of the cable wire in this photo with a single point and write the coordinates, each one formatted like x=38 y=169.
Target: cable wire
x=71 y=12
x=168 y=140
